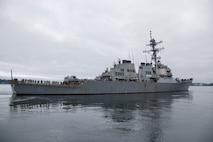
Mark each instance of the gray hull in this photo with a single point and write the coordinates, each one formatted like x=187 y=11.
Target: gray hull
x=100 y=87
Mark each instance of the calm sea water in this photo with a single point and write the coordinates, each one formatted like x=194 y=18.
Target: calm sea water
x=161 y=117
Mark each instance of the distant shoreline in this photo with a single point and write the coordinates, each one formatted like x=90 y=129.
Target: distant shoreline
x=202 y=84
x=4 y=81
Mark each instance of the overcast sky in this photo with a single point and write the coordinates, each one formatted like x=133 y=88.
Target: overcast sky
x=51 y=39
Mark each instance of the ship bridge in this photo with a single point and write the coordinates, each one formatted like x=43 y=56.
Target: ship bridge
x=124 y=70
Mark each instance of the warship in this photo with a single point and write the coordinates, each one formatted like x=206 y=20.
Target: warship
x=122 y=78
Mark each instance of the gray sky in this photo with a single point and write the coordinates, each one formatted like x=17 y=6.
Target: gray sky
x=54 y=38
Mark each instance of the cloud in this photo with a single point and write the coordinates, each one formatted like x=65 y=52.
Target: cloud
x=57 y=38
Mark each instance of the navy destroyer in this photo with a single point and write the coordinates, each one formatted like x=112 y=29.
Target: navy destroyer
x=122 y=78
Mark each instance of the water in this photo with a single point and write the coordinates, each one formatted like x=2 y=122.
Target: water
x=162 y=117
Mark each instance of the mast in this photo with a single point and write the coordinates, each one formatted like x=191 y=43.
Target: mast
x=11 y=74
x=153 y=51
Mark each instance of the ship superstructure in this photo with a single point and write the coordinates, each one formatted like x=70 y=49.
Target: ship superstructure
x=121 y=78
x=153 y=71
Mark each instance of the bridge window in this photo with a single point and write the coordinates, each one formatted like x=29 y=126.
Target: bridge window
x=119 y=73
